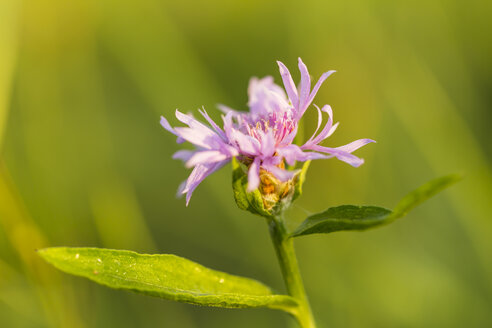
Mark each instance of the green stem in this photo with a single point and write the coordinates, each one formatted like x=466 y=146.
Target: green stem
x=286 y=255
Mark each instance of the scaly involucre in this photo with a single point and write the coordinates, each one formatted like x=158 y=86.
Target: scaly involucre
x=263 y=137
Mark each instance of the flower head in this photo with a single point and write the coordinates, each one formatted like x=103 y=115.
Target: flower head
x=262 y=138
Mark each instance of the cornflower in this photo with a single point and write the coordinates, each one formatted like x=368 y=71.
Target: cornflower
x=262 y=138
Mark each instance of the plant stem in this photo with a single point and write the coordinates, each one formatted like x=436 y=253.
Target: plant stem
x=286 y=255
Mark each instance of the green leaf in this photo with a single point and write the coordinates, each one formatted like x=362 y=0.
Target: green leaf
x=423 y=193
x=344 y=217
x=166 y=276
x=352 y=217
x=249 y=201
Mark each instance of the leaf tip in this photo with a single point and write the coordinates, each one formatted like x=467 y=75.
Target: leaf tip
x=455 y=177
x=42 y=252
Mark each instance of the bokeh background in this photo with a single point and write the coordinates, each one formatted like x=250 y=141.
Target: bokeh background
x=84 y=161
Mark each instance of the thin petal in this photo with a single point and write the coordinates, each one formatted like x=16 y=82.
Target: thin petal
x=327 y=130
x=213 y=124
x=183 y=155
x=165 y=124
x=304 y=87
x=206 y=157
x=193 y=123
x=289 y=84
x=198 y=138
x=268 y=144
x=181 y=187
x=184 y=118
x=290 y=153
x=247 y=144
x=265 y=93
x=320 y=119
x=322 y=79
x=254 y=175
x=195 y=177
x=228 y=126
x=199 y=173
x=293 y=153
x=281 y=174
x=340 y=154
x=287 y=140
x=354 y=145
x=226 y=109
x=265 y=97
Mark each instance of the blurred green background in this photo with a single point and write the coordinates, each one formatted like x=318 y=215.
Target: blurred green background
x=84 y=161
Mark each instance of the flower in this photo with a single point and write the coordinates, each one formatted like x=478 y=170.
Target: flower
x=263 y=137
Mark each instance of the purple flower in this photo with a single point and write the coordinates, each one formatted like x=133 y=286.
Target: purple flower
x=263 y=137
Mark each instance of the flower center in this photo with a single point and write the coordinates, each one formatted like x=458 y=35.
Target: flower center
x=281 y=124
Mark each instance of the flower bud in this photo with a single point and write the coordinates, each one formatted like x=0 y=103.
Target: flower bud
x=272 y=196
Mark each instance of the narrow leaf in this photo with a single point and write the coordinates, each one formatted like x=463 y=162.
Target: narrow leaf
x=423 y=193
x=351 y=217
x=344 y=217
x=166 y=276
